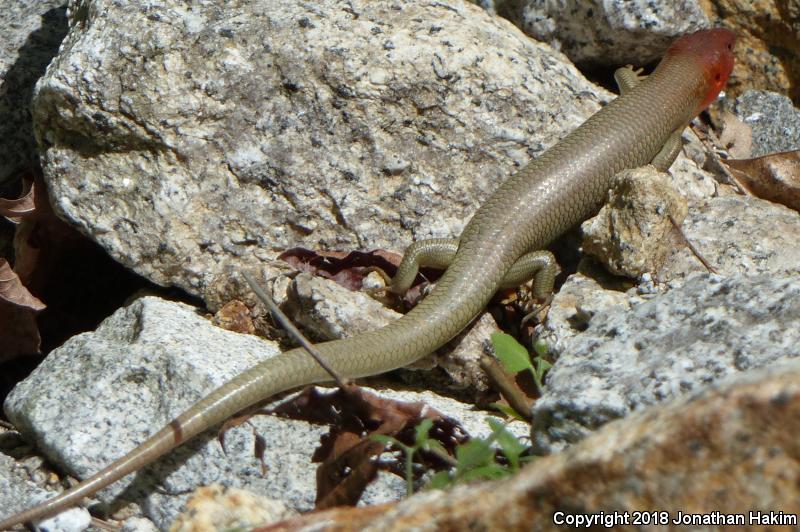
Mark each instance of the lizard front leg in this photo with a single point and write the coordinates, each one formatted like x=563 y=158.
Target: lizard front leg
x=627 y=78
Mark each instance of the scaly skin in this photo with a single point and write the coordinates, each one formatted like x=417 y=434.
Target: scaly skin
x=567 y=184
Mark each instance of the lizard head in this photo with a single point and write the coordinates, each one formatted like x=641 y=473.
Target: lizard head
x=711 y=51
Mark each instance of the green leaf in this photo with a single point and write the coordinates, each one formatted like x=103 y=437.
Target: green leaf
x=386 y=440
x=440 y=481
x=541 y=368
x=509 y=444
x=514 y=357
x=421 y=431
x=472 y=454
x=543 y=365
x=487 y=472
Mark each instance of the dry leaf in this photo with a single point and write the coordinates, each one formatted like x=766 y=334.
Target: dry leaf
x=346 y=269
x=349 y=269
x=12 y=291
x=16 y=209
x=19 y=333
x=41 y=238
x=347 y=471
x=347 y=454
x=774 y=177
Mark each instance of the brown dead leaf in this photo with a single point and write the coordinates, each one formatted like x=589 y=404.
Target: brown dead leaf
x=39 y=237
x=19 y=334
x=40 y=240
x=348 y=456
x=342 y=478
x=16 y=209
x=12 y=291
x=350 y=268
x=346 y=269
x=774 y=177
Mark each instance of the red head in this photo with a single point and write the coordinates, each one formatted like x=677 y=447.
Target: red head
x=713 y=52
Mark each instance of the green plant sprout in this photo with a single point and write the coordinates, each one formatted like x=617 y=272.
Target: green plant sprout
x=476 y=459
x=515 y=357
x=422 y=441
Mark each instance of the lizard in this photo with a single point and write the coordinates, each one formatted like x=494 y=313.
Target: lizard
x=499 y=246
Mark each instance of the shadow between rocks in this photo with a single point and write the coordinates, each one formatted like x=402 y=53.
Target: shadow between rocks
x=18 y=149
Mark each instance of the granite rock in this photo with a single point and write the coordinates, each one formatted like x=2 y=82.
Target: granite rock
x=630 y=358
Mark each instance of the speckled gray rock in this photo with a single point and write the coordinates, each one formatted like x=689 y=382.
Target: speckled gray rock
x=16 y=493
x=681 y=341
x=737 y=235
x=582 y=296
x=101 y=392
x=488 y=5
x=773 y=118
x=31 y=33
x=184 y=141
x=97 y=396
x=332 y=311
x=607 y=32
x=687 y=173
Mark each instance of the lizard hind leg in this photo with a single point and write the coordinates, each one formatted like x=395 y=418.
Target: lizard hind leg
x=432 y=252
x=540 y=266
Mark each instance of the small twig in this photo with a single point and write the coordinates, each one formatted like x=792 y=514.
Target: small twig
x=284 y=321
x=730 y=176
x=696 y=253
x=713 y=147
x=504 y=383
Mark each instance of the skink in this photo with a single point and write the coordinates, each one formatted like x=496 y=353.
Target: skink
x=567 y=184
